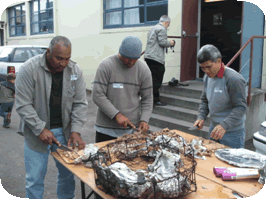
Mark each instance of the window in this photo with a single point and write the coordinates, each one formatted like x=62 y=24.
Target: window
x=23 y=54
x=42 y=19
x=131 y=13
x=17 y=20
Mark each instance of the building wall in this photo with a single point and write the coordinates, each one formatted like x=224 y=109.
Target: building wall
x=3 y=19
x=82 y=21
x=92 y=43
x=42 y=39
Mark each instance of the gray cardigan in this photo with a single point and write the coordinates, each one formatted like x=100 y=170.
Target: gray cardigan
x=33 y=90
x=225 y=100
x=156 y=44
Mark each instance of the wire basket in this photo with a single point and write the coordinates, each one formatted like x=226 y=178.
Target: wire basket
x=159 y=165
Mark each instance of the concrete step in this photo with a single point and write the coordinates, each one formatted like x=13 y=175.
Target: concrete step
x=183 y=91
x=162 y=122
x=184 y=102
x=185 y=114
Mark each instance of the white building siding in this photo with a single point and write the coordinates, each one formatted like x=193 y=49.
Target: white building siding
x=82 y=22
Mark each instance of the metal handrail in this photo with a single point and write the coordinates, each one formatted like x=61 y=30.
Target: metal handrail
x=251 y=39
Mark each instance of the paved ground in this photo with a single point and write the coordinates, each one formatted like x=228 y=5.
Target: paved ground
x=12 y=170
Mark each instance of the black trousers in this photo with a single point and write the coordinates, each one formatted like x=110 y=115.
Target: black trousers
x=100 y=137
x=157 y=72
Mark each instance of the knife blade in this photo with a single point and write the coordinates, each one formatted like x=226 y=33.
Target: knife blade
x=135 y=129
x=64 y=147
x=193 y=128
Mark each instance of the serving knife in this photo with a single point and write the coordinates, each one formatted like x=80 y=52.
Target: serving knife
x=64 y=147
x=193 y=128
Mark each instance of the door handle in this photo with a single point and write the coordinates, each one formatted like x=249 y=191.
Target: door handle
x=185 y=34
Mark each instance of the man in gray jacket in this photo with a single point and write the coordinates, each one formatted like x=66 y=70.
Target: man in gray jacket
x=224 y=97
x=51 y=101
x=157 y=45
x=7 y=97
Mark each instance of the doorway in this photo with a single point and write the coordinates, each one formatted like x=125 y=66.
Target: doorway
x=1 y=37
x=221 y=26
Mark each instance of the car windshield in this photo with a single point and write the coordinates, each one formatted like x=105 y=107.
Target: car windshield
x=4 y=53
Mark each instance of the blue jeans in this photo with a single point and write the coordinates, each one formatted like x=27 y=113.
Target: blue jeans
x=233 y=139
x=5 y=108
x=36 y=168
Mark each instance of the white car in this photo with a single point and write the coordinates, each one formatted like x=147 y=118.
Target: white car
x=13 y=56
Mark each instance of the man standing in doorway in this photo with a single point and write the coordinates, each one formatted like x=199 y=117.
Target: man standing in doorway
x=224 y=97
x=51 y=101
x=157 y=45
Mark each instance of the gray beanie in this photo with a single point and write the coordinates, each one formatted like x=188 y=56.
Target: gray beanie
x=131 y=47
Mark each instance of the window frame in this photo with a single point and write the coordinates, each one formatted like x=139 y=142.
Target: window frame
x=123 y=8
x=39 y=22
x=21 y=25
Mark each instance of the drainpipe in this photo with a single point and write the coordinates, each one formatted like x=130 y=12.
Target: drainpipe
x=5 y=32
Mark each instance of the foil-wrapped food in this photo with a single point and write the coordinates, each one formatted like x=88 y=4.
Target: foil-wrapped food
x=163 y=177
x=241 y=157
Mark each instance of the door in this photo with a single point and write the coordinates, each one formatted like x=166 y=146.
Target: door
x=221 y=26
x=1 y=37
x=189 y=40
x=253 y=24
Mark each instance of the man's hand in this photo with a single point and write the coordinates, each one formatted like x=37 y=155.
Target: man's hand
x=172 y=42
x=123 y=121
x=143 y=126
x=76 y=138
x=199 y=123
x=48 y=137
x=218 y=132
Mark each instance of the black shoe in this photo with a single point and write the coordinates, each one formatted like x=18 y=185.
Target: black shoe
x=6 y=126
x=159 y=103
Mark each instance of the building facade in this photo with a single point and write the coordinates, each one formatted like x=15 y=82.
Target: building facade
x=97 y=28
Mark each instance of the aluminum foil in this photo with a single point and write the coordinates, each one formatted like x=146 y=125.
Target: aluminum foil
x=171 y=188
x=262 y=173
x=170 y=142
x=241 y=157
x=162 y=173
x=89 y=150
x=125 y=180
x=165 y=164
x=197 y=147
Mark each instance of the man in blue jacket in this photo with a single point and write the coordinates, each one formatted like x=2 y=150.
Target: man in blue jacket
x=224 y=97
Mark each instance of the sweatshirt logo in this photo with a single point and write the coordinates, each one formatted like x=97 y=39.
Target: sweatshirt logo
x=218 y=90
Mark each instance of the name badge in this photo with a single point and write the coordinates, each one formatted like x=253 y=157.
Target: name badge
x=73 y=77
x=116 y=85
x=217 y=90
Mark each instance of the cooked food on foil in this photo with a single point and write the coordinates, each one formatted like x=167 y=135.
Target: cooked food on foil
x=159 y=164
x=241 y=157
